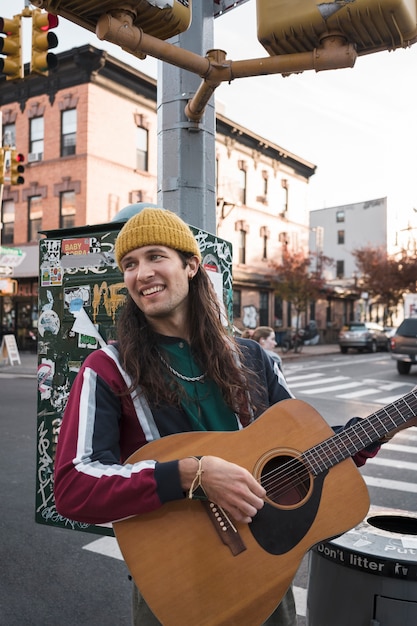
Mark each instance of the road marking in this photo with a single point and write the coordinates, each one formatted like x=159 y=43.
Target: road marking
x=362 y=388
x=397 y=464
x=304 y=383
x=304 y=376
x=105 y=545
x=332 y=388
x=390 y=399
x=386 y=384
x=394 y=485
x=358 y=394
x=300 y=597
x=398 y=448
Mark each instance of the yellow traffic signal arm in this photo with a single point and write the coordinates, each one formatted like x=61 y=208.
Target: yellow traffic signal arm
x=132 y=27
x=214 y=68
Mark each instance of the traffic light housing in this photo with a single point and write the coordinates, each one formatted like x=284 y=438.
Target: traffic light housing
x=159 y=19
x=291 y=26
x=42 y=41
x=16 y=168
x=11 y=47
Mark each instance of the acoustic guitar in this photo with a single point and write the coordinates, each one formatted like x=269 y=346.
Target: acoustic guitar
x=196 y=567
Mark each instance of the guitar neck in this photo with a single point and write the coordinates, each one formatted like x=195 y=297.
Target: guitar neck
x=365 y=432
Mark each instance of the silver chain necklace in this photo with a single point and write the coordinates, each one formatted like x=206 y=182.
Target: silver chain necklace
x=188 y=379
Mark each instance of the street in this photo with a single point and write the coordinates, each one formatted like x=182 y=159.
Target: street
x=57 y=576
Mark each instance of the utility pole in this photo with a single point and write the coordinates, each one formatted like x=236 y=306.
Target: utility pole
x=186 y=149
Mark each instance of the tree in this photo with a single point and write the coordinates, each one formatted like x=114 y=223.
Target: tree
x=296 y=282
x=386 y=277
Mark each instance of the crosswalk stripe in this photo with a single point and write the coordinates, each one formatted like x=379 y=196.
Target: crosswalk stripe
x=303 y=377
x=300 y=597
x=304 y=383
x=358 y=394
x=397 y=464
x=332 y=388
x=393 y=447
x=105 y=545
x=394 y=485
x=389 y=399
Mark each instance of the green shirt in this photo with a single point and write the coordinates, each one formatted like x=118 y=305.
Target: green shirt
x=202 y=401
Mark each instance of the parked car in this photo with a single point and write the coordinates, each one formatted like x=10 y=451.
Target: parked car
x=390 y=331
x=362 y=336
x=404 y=345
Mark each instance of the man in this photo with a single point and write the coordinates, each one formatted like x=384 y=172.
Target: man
x=175 y=368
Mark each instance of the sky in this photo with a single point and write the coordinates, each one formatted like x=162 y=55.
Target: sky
x=358 y=125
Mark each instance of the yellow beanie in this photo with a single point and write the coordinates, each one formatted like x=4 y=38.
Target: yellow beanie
x=153 y=226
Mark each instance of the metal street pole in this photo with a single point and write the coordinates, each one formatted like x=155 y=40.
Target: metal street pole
x=186 y=150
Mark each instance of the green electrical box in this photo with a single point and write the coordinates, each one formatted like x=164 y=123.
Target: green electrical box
x=81 y=292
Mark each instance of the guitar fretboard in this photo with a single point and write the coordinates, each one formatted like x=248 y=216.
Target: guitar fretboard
x=365 y=432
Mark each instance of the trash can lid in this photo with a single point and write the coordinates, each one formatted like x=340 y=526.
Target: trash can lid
x=385 y=544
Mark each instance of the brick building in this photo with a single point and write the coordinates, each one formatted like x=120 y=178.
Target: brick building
x=89 y=131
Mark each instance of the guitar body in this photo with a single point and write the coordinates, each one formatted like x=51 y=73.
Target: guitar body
x=176 y=556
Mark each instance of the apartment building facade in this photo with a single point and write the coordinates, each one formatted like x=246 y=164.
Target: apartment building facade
x=89 y=131
x=336 y=232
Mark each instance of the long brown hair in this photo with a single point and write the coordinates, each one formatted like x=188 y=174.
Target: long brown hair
x=214 y=349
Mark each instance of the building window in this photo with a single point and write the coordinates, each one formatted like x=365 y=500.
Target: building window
x=277 y=311
x=340 y=269
x=265 y=184
x=241 y=257
x=142 y=148
x=9 y=135
x=340 y=236
x=242 y=182
x=340 y=216
x=283 y=238
x=68 y=132
x=35 y=218
x=237 y=303
x=264 y=247
x=265 y=234
x=286 y=187
x=7 y=219
x=263 y=308
x=36 y=136
x=67 y=209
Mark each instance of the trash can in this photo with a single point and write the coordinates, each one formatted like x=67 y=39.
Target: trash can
x=367 y=576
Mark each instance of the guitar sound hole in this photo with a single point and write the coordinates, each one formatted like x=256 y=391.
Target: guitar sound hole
x=286 y=480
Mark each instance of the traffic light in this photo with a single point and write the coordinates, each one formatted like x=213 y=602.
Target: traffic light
x=11 y=47
x=16 y=168
x=2 y=165
x=288 y=27
x=160 y=18
x=42 y=41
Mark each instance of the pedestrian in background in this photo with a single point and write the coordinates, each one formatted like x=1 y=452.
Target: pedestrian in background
x=265 y=336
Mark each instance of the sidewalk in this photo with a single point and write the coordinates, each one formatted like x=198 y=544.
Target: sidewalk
x=321 y=349
x=29 y=360
x=28 y=365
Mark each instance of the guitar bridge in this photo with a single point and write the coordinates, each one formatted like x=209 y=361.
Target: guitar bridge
x=226 y=530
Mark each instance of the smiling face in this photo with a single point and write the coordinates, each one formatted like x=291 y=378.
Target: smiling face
x=158 y=283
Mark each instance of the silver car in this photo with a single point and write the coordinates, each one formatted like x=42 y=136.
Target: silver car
x=363 y=336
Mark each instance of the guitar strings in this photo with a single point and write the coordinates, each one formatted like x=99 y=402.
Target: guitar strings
x=291 y=474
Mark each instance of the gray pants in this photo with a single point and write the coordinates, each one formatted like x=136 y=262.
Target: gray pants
x=284 y=614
